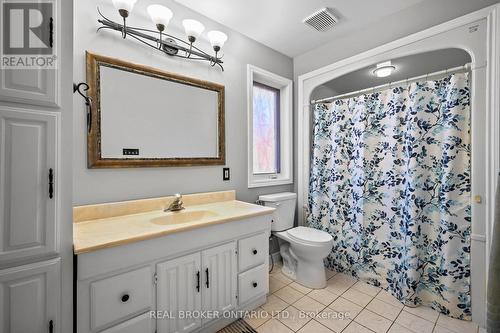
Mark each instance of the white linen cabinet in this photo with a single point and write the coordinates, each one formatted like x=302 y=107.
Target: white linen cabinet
x=35 y=128
x=29 y=298
x=28 y=184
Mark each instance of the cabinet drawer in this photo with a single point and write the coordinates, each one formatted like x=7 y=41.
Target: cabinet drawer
x=143 y=323
x=116 y=298
x=252 y=283
x=252 y=251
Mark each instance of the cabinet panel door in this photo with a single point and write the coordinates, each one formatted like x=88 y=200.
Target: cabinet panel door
x=119 y=297
x=29 y=86
x=28 y=153
x=219 y=277
x=177 y=291
x=140 y=324
x=29 y=298
x=33 y=85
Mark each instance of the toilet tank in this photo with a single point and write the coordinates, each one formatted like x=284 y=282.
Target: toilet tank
x=284 y=214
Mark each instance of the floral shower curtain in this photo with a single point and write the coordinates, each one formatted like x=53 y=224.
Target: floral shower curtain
x=390 y=181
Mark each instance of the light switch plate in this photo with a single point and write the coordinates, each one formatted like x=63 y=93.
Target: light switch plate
x=225 y=174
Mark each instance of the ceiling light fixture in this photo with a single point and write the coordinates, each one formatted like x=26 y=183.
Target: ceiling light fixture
x=171 y=45
x=384 y=69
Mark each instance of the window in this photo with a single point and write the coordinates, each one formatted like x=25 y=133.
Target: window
x=269 y=128
x=266 y=129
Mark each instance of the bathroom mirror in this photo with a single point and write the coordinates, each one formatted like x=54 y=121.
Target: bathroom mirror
x=145 y=117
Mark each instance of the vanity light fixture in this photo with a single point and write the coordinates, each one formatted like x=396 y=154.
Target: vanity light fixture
x=217 y=40
x=168 y=44
x=160 y=15
x=124 y=7
x=384 y=69
x=193 y=30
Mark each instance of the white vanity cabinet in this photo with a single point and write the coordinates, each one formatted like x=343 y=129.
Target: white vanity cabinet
x=191 y=276
x=178 y=289
x=219 y=283
x=200 y=281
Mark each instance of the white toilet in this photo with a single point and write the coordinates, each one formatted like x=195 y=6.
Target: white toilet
x=302 y=249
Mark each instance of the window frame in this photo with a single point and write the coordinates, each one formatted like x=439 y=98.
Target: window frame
x=285 y=129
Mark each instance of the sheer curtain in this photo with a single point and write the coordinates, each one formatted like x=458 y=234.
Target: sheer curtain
x=390 y=181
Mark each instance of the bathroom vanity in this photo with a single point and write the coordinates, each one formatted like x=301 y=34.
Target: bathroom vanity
x=140 y=269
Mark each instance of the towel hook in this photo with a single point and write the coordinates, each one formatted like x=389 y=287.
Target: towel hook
x=88 y=101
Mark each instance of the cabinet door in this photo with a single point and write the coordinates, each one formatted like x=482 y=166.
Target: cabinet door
x=33 y=85
x=178 y=291
x=29 y=86
x=28 y=156
x=29 y=298
x=219 y=277
x=140 y=324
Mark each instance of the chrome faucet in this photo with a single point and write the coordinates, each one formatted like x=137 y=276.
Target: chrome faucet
x=176 y=205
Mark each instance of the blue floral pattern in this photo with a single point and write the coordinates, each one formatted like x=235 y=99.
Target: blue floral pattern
x=390 y=181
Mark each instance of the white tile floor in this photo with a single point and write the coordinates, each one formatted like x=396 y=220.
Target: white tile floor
x=348 y=306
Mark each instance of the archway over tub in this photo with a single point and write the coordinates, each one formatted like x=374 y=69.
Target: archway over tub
x=477 y=33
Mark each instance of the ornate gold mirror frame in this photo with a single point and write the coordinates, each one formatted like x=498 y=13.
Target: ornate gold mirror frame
x=94 y=156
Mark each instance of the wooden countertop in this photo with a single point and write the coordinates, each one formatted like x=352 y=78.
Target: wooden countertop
x=94 y=234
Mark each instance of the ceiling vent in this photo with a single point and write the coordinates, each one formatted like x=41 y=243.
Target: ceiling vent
x=322 y=20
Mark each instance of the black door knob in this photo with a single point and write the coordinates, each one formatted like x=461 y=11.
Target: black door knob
x=254 y=251
x=125 y=298
x=254 y=284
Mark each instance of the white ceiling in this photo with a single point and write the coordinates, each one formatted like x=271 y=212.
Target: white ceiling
x=278 y=23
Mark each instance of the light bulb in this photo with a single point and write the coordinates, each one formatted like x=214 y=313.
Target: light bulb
x=124 y=6
x=217 y=39
x=160 y=15
x=193 y=29
x=384 y=69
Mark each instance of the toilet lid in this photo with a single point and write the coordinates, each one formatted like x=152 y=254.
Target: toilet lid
x=310 y=235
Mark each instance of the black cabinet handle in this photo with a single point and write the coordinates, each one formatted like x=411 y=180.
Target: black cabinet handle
x=51 y=326
x=255 y=284
x=198 y=281
x=51 y=32
x=254 y=251
x=51 y=183
x=207 y=282
x=125 y=298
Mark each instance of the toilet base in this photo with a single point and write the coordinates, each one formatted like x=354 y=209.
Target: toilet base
x=311 y=274
x=289 y=263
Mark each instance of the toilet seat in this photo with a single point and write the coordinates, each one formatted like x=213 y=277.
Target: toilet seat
x=310 y=236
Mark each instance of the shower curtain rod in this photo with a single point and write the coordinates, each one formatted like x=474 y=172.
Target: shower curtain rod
x=467 y=67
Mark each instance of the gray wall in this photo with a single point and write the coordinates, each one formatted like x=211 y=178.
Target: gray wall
x=104 y=185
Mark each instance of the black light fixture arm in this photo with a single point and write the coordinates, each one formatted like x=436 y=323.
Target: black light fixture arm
x=170 y=45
